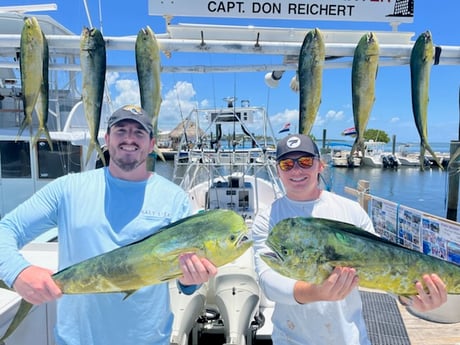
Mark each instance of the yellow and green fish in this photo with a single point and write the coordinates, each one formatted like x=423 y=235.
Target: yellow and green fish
x=308 y=249
x=218 y=235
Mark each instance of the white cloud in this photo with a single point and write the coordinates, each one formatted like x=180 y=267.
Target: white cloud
x=394 y=119
x=334 y=115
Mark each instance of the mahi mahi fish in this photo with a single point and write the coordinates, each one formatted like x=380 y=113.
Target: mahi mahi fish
x=31 y=67
x=148 y=73
x=218 y=235
x=308 y=249
x=42 y=105
x=363 y=76
x=93 y=68
x=310 y=72
x=421 y=60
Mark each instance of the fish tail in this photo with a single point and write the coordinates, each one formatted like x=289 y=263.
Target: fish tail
x=91 y=148
x=23 y=311
x=427 y=146
x=43 y=130
x=26 y=122
x=100 y=153
x=94 y=145
x=454 y=159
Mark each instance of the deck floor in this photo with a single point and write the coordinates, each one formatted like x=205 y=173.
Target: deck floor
x=422 y=332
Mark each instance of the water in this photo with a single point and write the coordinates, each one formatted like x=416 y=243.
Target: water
x=426 y=191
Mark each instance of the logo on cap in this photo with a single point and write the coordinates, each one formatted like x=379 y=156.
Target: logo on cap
x=293 y=142
x=133 y=109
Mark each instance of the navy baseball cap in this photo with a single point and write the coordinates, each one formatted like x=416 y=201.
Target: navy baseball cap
x=296 y=143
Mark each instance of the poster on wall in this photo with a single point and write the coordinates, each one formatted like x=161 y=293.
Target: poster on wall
x=383 y=215
x=441 y=238
x=409 y=227
x=416 y=230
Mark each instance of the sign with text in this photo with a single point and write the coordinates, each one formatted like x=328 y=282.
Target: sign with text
x=401 y=11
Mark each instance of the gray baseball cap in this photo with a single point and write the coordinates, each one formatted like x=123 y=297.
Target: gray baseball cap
x=134 y=113
x=296 y=143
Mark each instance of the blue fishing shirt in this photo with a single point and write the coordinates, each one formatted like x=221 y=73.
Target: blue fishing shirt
x=96 y=213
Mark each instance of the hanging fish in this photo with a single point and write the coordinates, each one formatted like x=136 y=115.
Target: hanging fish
x=31 y=68
x=148 y=73
x=310 y=77
x=421 y=60
x=93 y=67
x=363 y=76
x=42 y=105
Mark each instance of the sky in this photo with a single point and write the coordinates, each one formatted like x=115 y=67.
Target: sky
x=392 y=110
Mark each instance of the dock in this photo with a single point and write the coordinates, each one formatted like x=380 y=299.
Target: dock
x=423 y=332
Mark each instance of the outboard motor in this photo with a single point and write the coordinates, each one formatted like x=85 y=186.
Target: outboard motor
x=186 y=309
x=237 y=297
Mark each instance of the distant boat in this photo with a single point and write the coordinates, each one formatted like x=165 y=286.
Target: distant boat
x=376 y=157
x=339 y=153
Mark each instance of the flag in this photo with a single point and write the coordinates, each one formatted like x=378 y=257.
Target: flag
x=285 y=128
x=349 y=131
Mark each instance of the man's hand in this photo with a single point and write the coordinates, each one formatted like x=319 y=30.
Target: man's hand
x=195 y=270
x=431 y=297
x=36 y=286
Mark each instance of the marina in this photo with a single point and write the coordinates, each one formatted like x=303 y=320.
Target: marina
x=226 y=162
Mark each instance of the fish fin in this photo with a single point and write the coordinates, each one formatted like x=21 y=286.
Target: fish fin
x=128 y=293
x=23 y=311
x=159 y=153
x=4 y=286
x=170 y=277
x=294 y=84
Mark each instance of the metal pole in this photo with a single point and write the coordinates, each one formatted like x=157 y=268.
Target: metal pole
x=453 y=175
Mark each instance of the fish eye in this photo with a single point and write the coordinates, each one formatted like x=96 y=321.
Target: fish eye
x=284 y=251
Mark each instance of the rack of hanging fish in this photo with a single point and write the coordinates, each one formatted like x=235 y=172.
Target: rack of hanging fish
x=363 y=79
x=34 y=69
x=307 y=58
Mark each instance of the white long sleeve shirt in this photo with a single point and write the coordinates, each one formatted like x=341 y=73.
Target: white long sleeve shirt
x=317 y=323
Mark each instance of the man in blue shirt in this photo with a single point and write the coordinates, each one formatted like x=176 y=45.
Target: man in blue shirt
x=95 y=212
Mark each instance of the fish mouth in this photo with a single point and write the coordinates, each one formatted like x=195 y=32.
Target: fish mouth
x=242 y=240
x=272 y=256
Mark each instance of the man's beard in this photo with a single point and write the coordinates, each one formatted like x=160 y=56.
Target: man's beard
x=127 y=166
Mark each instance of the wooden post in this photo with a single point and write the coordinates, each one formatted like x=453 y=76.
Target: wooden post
x=363 y=189
x=362 y=193
x=453 y=183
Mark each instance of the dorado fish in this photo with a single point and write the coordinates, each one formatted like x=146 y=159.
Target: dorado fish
x=31 y=68
x=93 y=67
x=363 y=76
x=148 y=73
x=421 y=60
x=308 y=249
x=42 y=104
x=310 y=72
x=218 y=235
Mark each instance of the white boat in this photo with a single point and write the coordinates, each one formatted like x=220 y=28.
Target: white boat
x=339 y=156
x=232 y=176
x=409 y=158
x=375 y=156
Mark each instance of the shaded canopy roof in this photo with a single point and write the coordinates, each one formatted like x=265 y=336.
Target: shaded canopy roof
x=191 y=130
